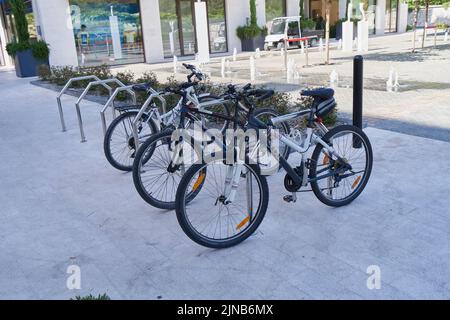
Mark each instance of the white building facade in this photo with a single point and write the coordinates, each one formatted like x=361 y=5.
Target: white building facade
x=83 y=33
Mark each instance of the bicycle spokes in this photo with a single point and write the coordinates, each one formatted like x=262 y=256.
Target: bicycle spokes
x=223 y=206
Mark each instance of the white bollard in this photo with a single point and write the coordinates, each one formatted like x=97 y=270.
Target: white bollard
x=396 y=84
x=340 y=44
x=446 y=36
x=390 y=81
x=175 y=64
x=320 y=45
x=222 y=69
x=234 y=54
x=257 y=53
x=302 y=47
x=290 y=71
x=252 y=69
x=334 y=77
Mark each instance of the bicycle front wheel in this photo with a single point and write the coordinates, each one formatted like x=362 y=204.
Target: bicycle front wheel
x=209 y=219
x=119 y=145
x=157 y=173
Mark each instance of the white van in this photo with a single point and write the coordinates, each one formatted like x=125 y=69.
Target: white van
x=288 y=27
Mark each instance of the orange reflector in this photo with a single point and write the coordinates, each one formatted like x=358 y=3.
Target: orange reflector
x=326 y=159
x=356 y=182
x=243 y=222
x=199 y=181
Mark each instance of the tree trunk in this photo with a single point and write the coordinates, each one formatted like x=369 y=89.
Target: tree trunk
x=427 y=4
x=416 y=12
x=327 y=30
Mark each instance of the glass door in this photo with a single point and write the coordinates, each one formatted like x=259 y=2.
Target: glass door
x=391 y=16
x=187 y=27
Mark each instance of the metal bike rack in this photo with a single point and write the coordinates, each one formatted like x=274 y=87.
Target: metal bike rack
x=66 y=87
x=110 y=103
x=90 y=85
x=154 y=94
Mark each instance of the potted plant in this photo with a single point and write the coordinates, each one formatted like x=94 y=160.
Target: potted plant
x=28 y=56
x=251 y=35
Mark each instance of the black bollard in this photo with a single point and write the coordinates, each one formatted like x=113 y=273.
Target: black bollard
x=357 y=96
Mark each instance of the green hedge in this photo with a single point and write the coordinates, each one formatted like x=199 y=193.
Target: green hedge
x=280 y=101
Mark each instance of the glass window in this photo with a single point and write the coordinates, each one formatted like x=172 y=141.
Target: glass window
x=278 y=26
x=169 y=27
x=275 y=9
x=10 y=24
x=178 y=27
x=217 y=26
x=107 y=31
x=369 y=7
x=391 y=16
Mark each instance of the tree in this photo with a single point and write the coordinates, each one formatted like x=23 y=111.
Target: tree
x=253 y=17
x=416 y=13
x=427 y=5
x=19 y=11
x=302 y=4
x=327 y=29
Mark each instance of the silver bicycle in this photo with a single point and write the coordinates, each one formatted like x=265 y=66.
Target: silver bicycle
x=233 y=198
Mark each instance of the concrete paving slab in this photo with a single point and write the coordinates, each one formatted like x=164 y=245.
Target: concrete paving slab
x=62 y=204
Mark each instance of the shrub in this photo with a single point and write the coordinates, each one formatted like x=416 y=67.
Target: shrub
x=91 y=297
x=307 y=24
x=441 y=25
x=248 y=32
x=13 y=47
x=44 y=72
x=40 y=50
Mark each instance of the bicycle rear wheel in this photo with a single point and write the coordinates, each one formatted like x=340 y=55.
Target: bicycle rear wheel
x=208 y=219
x=345 y=185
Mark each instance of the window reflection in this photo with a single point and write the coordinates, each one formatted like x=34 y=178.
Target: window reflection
x=369 y=7
x=107 y=32
x=178 y=27
x=275 y=9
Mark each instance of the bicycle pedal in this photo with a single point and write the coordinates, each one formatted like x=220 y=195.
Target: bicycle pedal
x=289 y=198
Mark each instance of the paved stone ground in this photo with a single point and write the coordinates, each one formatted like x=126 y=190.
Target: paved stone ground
x=421 y=108
x=62 y=204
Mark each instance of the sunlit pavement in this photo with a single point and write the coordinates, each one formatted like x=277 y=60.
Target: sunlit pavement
x=62 y=204
x=421 y=107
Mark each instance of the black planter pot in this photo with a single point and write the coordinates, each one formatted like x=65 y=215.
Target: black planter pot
x=26 y=64
x=252 y=44
x=339 y=31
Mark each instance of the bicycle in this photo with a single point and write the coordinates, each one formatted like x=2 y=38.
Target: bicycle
x=155 y=173
x=233 y=199
x=136 y=124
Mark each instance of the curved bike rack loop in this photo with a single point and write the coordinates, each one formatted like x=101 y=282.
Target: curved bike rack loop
x=110 y=103
x=154 y=94
x=66 y=87
x=90 y=85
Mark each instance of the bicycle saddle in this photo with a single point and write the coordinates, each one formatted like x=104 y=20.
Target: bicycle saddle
x=320 y=93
